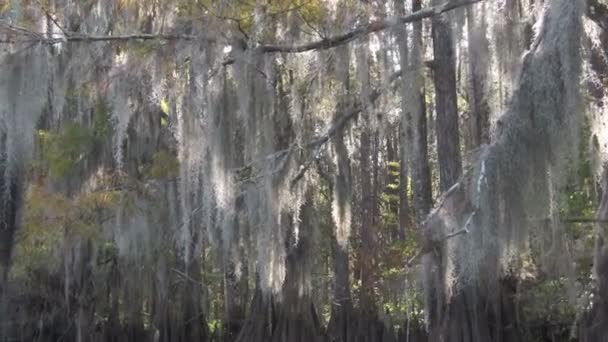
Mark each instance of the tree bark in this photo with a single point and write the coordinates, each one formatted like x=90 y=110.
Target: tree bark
x=404 y=184
x=595 y=322
x=446 y=103
x=397 y=203
x=487 y=202
x=413 y=139
x=9 y=217
x=479 y=115
x=292 y=317
x=367 y=233
x=340 y=326
x=234 y=313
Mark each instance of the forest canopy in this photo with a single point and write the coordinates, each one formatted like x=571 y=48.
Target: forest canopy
x=303 y=170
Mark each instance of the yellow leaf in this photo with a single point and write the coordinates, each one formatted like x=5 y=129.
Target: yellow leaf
x=164 y=106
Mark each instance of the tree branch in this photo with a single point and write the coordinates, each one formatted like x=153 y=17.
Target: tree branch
x=337 y=127
x=342 y=121
x=423 y=251
x=323 y=44
x=363 y=30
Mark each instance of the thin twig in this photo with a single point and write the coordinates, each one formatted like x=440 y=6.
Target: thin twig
x=51 y=17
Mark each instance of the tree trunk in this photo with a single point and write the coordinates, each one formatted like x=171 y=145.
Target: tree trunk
x=413 y=139
x=367 y=233
x=10 y=203
x=340 y=327
x=595 y=322
x=262 y=318
x=404 y=184
x=234 y=314
x=484 y=214
x=236 y=280
x=194 y=323
x=393 y=177
x=367 y=325
x=444 y=77
x=10 y=190
x=293 y=317
x=448 y=151
x=479 y=116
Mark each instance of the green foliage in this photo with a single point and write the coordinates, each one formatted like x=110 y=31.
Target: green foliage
x=411 y=306
x=550 y=300
x=51 y=219
x=164 y=165
x=62 y=150
x=146 y=49
x=215 y=327
x=393 y=168
x=241 y=12
x=579 y=200
x=102 y=122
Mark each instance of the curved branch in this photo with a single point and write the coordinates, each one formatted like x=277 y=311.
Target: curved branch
x=369 y=28
x=323 y=44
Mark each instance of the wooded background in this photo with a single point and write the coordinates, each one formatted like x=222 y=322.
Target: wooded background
x=303 y=170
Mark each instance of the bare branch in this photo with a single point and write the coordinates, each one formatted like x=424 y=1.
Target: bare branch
x=363 y=30
x=342 y=121
x=337 y=127
x=583 y=220
x=52 y=18
x=423 y=251
x=322 y=44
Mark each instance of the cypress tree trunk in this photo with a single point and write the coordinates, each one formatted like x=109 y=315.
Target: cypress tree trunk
x=367 y=234
x=262 y=318
x=293 y=317
x=297 y=319
x=483 y=215
x=404 y=184
x=192 y=326
x=234 y=308
x=10 y=190
x=368 y=327
x=340 y=327
x=444 y=77
x=233 y=313
x=413 y=129
x=595 y=322
x=448 y=151
x=479 y=116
